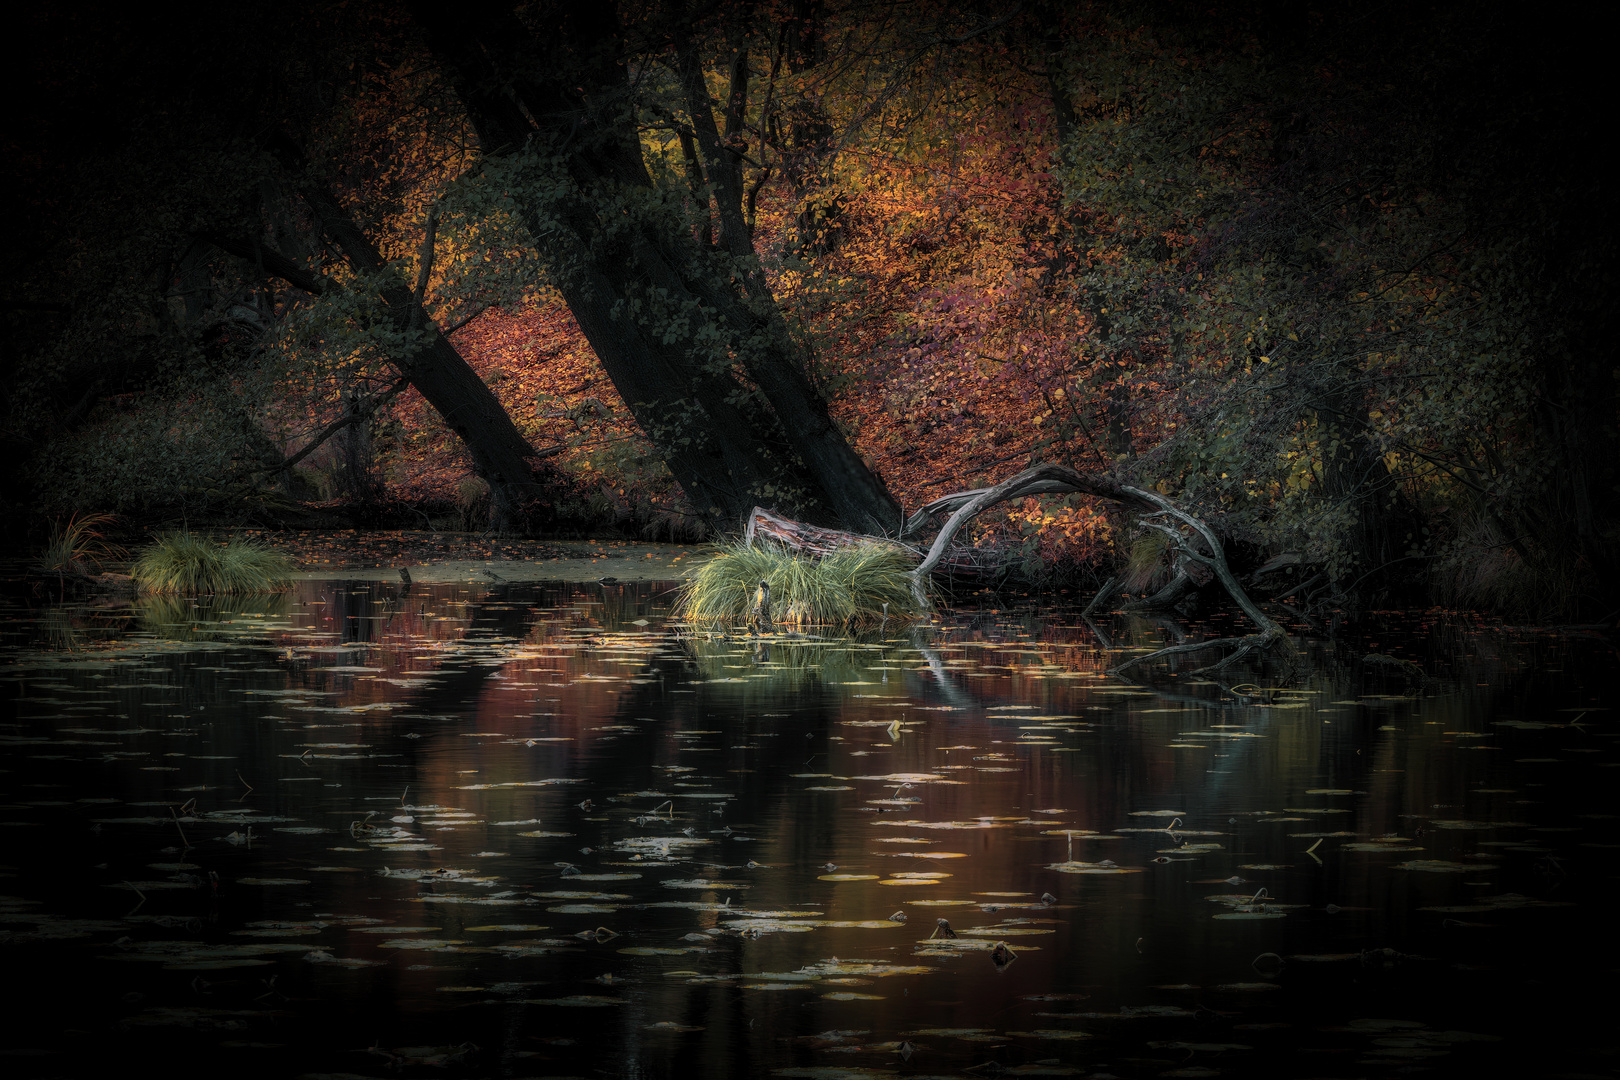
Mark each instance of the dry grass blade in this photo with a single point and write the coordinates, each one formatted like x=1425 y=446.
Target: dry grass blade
x=78 y=546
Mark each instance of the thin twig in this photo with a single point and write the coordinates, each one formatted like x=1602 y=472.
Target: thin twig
x=139 y=903
x=178 y=829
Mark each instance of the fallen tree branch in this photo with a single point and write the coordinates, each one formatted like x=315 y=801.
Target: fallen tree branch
x=1199 y=552
x=1216 y=560
x=1104 y=594
x=1170 y=650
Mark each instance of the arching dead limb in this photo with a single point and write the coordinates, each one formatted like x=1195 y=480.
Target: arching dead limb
x=1195 y=546
x=1214 y=558
x=1041 y=480
x=1180 y=528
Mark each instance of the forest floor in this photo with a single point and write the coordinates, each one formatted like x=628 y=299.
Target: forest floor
x=451 y=556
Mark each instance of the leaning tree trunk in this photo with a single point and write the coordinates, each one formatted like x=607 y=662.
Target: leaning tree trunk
x=500 y=453
x=673 y=323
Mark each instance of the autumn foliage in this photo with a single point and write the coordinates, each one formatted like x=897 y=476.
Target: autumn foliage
x=1330 y=289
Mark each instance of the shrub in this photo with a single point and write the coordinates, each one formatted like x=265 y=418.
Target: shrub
x=180 y=562
x=858 y=585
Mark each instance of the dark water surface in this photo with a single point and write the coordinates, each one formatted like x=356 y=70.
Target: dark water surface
x=544 y=832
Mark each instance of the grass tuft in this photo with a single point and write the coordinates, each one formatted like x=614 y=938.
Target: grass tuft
x=181 y=562
x=78 y=546
x=846 y=588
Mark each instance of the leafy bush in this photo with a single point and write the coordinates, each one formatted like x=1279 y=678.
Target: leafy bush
x=180 y=562
x=858 y=585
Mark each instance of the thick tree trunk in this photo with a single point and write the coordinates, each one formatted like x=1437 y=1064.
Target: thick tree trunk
x=670 y=322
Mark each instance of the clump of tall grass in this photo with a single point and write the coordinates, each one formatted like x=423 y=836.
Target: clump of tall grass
x=181 y=562
x=78 y=546
x=857 y=585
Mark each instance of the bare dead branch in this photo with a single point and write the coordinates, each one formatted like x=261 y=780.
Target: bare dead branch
x=348 y=419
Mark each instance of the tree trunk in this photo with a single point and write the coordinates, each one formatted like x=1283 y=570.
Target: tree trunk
x=500 y=453
x=672 y=324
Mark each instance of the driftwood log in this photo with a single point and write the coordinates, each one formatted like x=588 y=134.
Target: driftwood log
x=1195 y=549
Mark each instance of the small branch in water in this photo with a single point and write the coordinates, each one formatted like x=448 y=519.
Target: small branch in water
x=185 y=844
x=1104 y=594
x=245 y=784
x=139 y=904
x=1212 y=643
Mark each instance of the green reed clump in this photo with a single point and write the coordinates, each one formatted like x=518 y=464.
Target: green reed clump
x=181 y=562
x=857 y=585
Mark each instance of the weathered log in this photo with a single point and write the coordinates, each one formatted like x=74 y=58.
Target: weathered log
x=800 y=536
x=820 y=542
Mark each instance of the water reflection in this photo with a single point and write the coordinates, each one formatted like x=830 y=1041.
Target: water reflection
x=510 y=831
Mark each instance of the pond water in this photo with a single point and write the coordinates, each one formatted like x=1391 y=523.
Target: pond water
x=546 y=831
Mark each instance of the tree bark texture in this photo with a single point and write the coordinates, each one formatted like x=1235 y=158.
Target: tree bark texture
x=691 y=336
